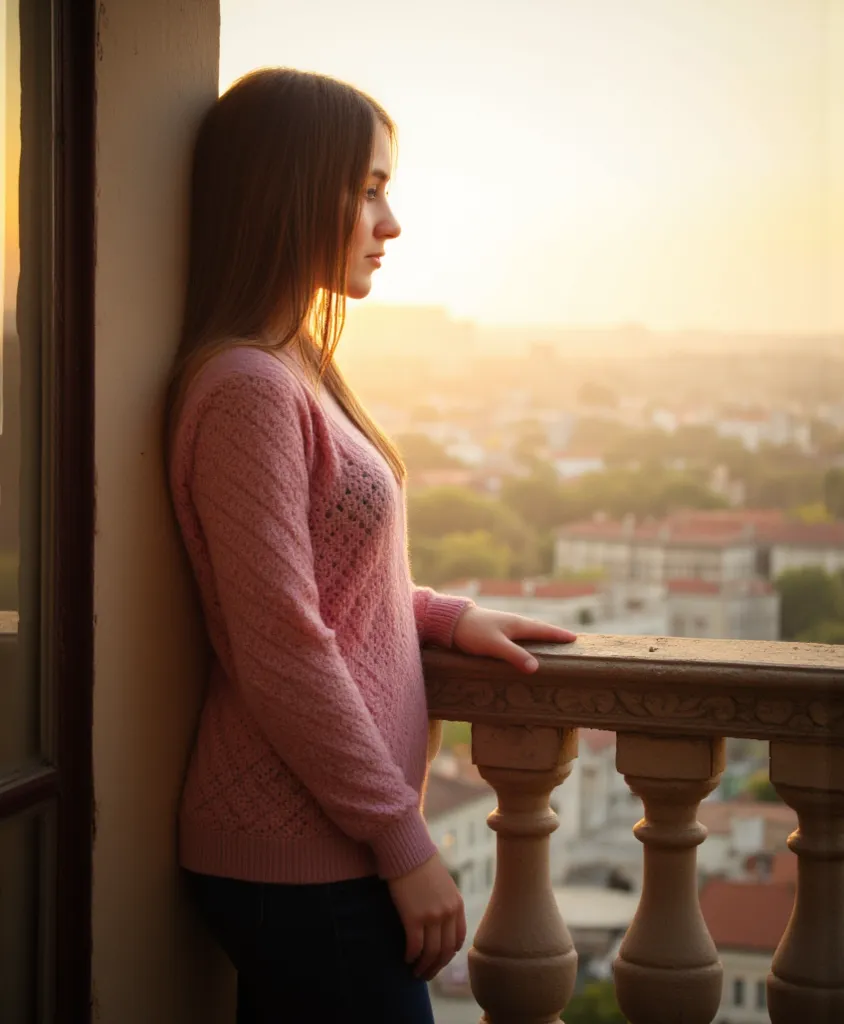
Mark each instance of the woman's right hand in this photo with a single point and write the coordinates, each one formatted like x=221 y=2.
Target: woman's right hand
x=431 y=910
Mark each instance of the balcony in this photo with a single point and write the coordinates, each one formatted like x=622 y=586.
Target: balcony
x=671 y=703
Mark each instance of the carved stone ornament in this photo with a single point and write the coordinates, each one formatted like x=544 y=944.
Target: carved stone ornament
x=747 y=696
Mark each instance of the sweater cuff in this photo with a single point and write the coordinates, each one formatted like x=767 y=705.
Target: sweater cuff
x=441 y=618
x=404 y=846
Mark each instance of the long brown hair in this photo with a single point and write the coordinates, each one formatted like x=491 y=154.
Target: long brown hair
x=279 y=168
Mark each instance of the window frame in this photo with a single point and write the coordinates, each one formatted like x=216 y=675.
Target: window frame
x=59 y=785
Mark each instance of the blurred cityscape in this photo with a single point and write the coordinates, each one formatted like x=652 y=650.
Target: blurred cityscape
x=620 y=482
x=617 y=481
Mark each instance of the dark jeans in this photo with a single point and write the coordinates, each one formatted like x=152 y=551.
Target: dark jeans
x=331 y=953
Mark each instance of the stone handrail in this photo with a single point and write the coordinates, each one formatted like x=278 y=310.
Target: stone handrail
x=671 y=702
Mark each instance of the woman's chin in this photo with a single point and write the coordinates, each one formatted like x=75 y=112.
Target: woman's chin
x=359 y=288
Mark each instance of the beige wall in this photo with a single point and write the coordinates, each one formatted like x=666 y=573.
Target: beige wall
x=156 y=73
x=751 y=968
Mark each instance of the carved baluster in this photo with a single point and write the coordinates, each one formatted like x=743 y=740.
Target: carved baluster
x=668 y=970
x=523 y=964
x=806 y=982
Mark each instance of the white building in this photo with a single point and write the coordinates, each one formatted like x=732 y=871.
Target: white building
x=561 y=604
x=745 y=609
x=717 y=567
x=746 y=921
x=754 y=429
x=595 y=607
x=797 y=545
x=741 y=829
x=569 y=465
x=457 y=805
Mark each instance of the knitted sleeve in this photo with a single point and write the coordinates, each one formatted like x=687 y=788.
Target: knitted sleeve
x=250 y=487
x=437 y=615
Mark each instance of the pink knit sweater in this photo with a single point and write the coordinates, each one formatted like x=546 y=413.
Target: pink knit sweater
x=311 y=748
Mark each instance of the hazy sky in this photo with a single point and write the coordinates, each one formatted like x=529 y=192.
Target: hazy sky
x=679 y=163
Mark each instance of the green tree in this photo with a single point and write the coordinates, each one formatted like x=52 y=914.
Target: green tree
x=537 y=500
x=808 y=596
x=421 y=453
x=471 y=555
x=833 y=492
x=817 y=512
x=597 y=432
x=758 y=786
x=438 y=511
x=680 y=492
x=531 y=441
x=826 y=632
x=783 y=488
x=595 y=1004
x=424 y=559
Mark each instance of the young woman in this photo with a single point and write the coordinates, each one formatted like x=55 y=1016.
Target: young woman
x=300 y=822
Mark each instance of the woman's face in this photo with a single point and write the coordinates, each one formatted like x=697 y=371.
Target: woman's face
x=376 y=222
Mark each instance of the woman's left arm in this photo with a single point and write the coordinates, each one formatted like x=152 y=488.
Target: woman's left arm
x=436 y=615
x=457 y=622
x=492 y=634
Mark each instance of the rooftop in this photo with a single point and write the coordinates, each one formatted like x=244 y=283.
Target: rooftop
x=746 y=915
x=721 y=527
x=732 y=587
x=523 y=588
x=718 y=815
x=592 y=906
x=445 y=793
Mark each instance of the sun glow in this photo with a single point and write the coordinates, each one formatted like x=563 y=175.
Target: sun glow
x=596 y=161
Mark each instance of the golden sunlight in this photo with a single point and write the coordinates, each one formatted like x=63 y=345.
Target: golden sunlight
x=598 y=161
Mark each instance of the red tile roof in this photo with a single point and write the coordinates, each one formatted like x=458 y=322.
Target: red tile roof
x=563 y=590
x=445 y=794
x=693 y=587
x=720 y=527
x=501 y=588
x=597 y=739
x=717 y=815
x=826 y=535
x=754 y=588
x=746 y=915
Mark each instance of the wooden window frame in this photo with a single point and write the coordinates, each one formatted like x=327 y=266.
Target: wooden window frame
x=62 y=784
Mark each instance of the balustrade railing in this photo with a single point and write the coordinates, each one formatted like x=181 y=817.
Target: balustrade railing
x=671 y=702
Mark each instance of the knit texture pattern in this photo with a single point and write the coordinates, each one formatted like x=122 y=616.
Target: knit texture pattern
x=311 y=746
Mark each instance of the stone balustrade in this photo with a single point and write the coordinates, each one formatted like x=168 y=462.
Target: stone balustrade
x=671 y=702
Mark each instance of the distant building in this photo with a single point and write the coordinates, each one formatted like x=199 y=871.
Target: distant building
x=755 y=428
x=792 y=545
x=717 y=546
x=740 y=609
x=570 y=465
x=717 y=566
x=712 y=568
x=739 y=829
x=457 y=804
x=560 y=603
x=746 y=921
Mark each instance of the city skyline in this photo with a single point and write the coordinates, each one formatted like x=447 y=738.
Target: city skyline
x=588 y=164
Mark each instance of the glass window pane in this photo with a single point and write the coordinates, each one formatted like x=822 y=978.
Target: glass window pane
x=20 y=860
x=19 y=433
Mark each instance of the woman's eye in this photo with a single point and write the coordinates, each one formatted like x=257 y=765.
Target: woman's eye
x=371 y=193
